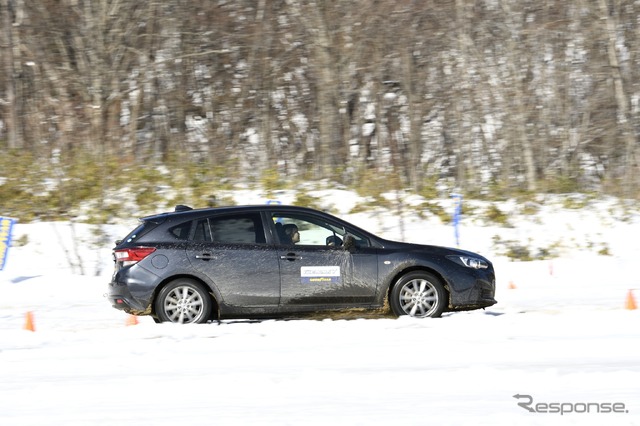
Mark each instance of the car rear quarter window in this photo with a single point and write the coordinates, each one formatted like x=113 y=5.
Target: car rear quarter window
x=181 y=231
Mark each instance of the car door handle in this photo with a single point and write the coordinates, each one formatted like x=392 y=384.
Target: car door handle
x=205 y=256
x=290 y=256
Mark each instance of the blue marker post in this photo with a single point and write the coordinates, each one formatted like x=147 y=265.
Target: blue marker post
x=278 y=202
x=457 y=212
x=6 y=229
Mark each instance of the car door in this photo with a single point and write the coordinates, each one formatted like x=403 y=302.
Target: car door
x=232 y=251
x=315 y=269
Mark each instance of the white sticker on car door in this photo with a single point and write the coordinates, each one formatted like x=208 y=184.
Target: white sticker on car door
x=320 y=274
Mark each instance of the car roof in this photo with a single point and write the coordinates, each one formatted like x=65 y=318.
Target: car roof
x=186 y=211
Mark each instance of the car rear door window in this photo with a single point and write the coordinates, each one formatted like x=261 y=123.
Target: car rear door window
x=237 y=229
x=202 y=231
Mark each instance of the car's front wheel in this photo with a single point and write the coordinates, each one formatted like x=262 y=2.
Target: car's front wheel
x=418 y=294
x=183 y=301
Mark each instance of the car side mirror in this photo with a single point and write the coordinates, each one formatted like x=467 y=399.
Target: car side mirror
x=349 y=243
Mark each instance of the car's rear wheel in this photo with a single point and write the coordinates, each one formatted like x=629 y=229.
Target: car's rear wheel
x=183 y=301
x=418 y=294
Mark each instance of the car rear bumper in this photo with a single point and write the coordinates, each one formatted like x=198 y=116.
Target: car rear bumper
x=120 y=298
x=131 y=290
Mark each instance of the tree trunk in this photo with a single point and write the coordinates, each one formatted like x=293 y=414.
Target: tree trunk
x=623 y=116
x=11 y=120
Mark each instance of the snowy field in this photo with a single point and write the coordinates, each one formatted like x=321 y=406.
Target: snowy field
x=560 y=338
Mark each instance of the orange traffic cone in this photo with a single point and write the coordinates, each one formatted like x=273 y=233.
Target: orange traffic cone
x=29 y=324
x=512 y=286
x=131 y=320
x=631 y=301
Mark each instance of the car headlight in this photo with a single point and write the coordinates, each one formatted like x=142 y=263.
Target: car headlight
x=470 y=262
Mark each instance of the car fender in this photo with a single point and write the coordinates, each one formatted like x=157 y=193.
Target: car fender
x=394 y=266
x=197 y=275
x=461 y=283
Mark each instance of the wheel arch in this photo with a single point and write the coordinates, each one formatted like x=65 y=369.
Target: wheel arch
x=215 y=312
x=417 y=268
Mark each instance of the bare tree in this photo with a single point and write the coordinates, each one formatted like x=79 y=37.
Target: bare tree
x=623 y=116
x=518 y=95
x=8 y=46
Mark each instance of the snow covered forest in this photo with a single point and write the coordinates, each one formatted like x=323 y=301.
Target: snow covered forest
x=487 y=95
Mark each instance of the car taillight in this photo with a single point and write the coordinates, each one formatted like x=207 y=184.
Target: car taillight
x=134 y=255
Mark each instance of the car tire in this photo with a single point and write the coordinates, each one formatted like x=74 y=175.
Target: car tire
x=418 y=294
x=183 y=301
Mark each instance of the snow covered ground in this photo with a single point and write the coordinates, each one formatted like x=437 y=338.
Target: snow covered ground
x=560 y=338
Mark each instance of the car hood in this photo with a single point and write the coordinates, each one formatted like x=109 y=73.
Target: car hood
x=436 y=250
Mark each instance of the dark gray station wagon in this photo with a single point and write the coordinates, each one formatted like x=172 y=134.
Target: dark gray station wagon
x=197 y=265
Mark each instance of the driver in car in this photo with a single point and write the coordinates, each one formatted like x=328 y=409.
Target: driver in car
x=292 y=233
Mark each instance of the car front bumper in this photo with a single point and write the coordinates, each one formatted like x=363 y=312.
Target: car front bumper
x=472 y=291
